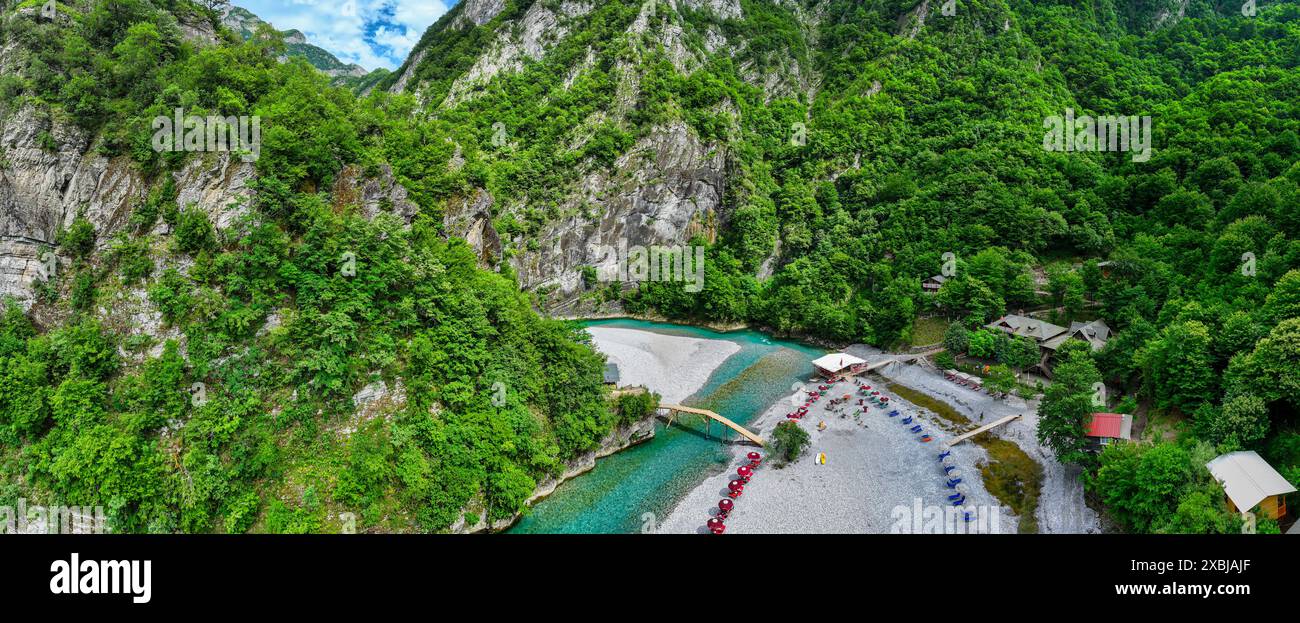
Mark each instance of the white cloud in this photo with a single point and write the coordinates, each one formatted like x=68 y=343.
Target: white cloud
x=370 y=33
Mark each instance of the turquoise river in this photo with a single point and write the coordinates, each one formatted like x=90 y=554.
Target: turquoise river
x=631 y=488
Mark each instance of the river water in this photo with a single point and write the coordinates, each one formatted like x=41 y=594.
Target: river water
x=631 y=490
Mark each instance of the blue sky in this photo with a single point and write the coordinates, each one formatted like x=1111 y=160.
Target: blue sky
x=370 y=33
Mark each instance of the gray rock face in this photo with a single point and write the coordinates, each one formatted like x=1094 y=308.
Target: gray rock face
x=471 y=219
x=478 y=12
x=376 y=194
x=666 y=189
x=408 y=74
x=43 y=190
x=726 y=9
x=218 y=184
x=538 y=30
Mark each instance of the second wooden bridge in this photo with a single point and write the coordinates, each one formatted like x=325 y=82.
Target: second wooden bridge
x=744 y=432
x=981 y=429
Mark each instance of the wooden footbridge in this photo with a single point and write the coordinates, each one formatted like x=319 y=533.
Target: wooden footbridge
x=981 y=429
x=673 y=410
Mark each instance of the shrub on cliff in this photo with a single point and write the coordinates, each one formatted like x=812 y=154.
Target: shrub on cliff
x=634 y=407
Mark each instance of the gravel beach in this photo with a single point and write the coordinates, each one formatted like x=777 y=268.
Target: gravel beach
x=672 y=366
x=878 y=475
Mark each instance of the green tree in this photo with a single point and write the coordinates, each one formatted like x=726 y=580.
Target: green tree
x=1000 y=378
x=1178 y=367
x=1241 y=423
x=78 y=238
x=1020 y=352
x=1067 y=404
x=194 y=232
x=1272 y=370
x=982 y=344
x=956 y=338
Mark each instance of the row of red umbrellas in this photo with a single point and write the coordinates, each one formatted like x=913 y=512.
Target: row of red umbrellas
x=717 y=524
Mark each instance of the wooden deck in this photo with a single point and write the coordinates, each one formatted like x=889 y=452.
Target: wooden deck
x=981 y=429
x=744 y=432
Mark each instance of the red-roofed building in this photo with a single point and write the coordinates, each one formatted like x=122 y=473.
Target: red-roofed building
x=1105 y=428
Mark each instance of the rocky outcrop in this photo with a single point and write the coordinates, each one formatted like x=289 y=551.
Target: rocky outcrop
x=478 y=12
x=408 y=71
x=374 y=194
x=726 y=9
x=218 y=184
x=538 y=30
x=1169 y=15
x=664 y=190
x=911 y=23
x=46 y=180
x=50 y=175
x=471 y=218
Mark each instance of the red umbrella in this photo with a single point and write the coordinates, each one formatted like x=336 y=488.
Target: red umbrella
x=744 y=472
x=755 y=458
x=735 y=485
x=725 y=505
x=716 y=525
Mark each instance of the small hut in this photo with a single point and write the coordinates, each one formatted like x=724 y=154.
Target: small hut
x=1107 y=428
x=933 y=284
x=611 y=374
x=1249 y=481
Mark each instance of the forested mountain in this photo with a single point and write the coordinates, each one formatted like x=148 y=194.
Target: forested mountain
x=826 y=153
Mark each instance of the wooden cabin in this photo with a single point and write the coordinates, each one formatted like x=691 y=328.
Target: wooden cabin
x=1249 y=481
x=933 y=284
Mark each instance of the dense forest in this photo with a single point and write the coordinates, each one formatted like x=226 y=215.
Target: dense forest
x=921 y=135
